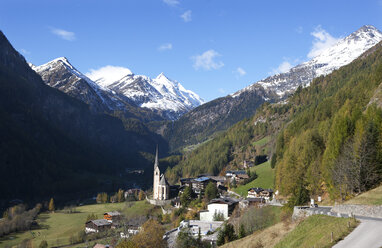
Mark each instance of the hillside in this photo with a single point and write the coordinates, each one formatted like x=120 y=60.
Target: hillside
x=315 y=124
x=52 y=144
x=204 y=121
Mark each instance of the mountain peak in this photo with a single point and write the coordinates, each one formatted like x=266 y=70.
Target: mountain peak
x=366 y=28
x=161 y=75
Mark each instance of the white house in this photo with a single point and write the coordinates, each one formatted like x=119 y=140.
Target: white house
x=213 y=209
x=223 y=206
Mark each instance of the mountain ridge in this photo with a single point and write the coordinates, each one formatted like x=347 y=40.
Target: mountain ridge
x=275 y=88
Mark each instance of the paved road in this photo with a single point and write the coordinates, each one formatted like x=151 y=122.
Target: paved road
x=368 y=234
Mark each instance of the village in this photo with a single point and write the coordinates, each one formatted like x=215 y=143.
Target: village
x=219 y=203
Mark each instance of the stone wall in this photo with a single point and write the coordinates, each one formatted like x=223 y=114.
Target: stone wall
x=158 y=202
x=301 y=212
x=361 y=210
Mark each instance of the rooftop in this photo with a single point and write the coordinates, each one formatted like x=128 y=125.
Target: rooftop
x=100 y=222
x=202 y=179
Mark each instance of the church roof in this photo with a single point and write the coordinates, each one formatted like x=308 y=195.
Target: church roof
x=163 y=181
x=156 y=164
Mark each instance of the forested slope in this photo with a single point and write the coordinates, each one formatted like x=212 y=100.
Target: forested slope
x=324 y=127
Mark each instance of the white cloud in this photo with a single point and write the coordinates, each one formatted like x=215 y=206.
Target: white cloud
x=221 y=90
x=164 y=47
x=322 y=40
x=186 y=16
x=240 y=72
x=207 y=61
x=171 y=2
x=299 y=29
x=107 y=75
x=285 y=66
x=63 y=34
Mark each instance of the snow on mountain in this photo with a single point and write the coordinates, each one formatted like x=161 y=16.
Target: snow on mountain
x=161 y=94
x=111 y=88
x=60 y=74
x=332 y=58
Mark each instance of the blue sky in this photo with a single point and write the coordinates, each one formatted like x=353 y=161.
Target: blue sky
x=213 y=47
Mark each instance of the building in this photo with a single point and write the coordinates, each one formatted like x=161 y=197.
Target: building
x=222 y=206
x=240 y=178
x=260 y=193
x=199 y=184
x=161 y=188
x=96 y=226
x=112 y=216
x=208 y=231
x=232 y=174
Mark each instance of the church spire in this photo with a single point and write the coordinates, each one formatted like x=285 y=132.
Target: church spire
x=156 y=164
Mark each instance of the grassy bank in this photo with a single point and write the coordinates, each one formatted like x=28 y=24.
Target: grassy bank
x=265 y=179
x=56 y=228
x=372 y=197
x=266 y=238
x=316 y=230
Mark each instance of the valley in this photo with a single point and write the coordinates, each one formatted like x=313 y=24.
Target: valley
x=109 y=158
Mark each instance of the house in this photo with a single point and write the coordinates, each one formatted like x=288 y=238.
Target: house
x=260 y=193
x=223 y=206
x=240 y=178
x=220 y=180
x=208 y=231
x=199 y=184
x=232 y=174
x=112 y=216
x=254 y=192
x=97 y=226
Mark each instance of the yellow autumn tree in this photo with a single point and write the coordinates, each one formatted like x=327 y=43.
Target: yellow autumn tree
x=51 y=205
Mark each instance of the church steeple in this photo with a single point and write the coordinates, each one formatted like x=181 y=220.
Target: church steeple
x=156 y=164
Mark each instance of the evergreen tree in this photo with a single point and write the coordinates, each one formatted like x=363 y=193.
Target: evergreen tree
x=186 y=196
x=211 y=192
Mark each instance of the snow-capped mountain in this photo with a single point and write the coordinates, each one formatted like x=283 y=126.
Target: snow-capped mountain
x=164 y=97
x=222 y=113
x=60 y=74
x=161 y=94
x=334 y=57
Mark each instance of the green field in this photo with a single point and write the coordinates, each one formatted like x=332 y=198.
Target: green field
x=371 y=197
x=261 y=142
x=57 y=228
x=265 y=179
x=316 y=230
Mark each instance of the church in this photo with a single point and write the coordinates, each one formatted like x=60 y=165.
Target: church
x=161 y=188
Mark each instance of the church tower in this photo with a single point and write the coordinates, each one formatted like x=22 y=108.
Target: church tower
x=161 y=188
x=156 y=177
